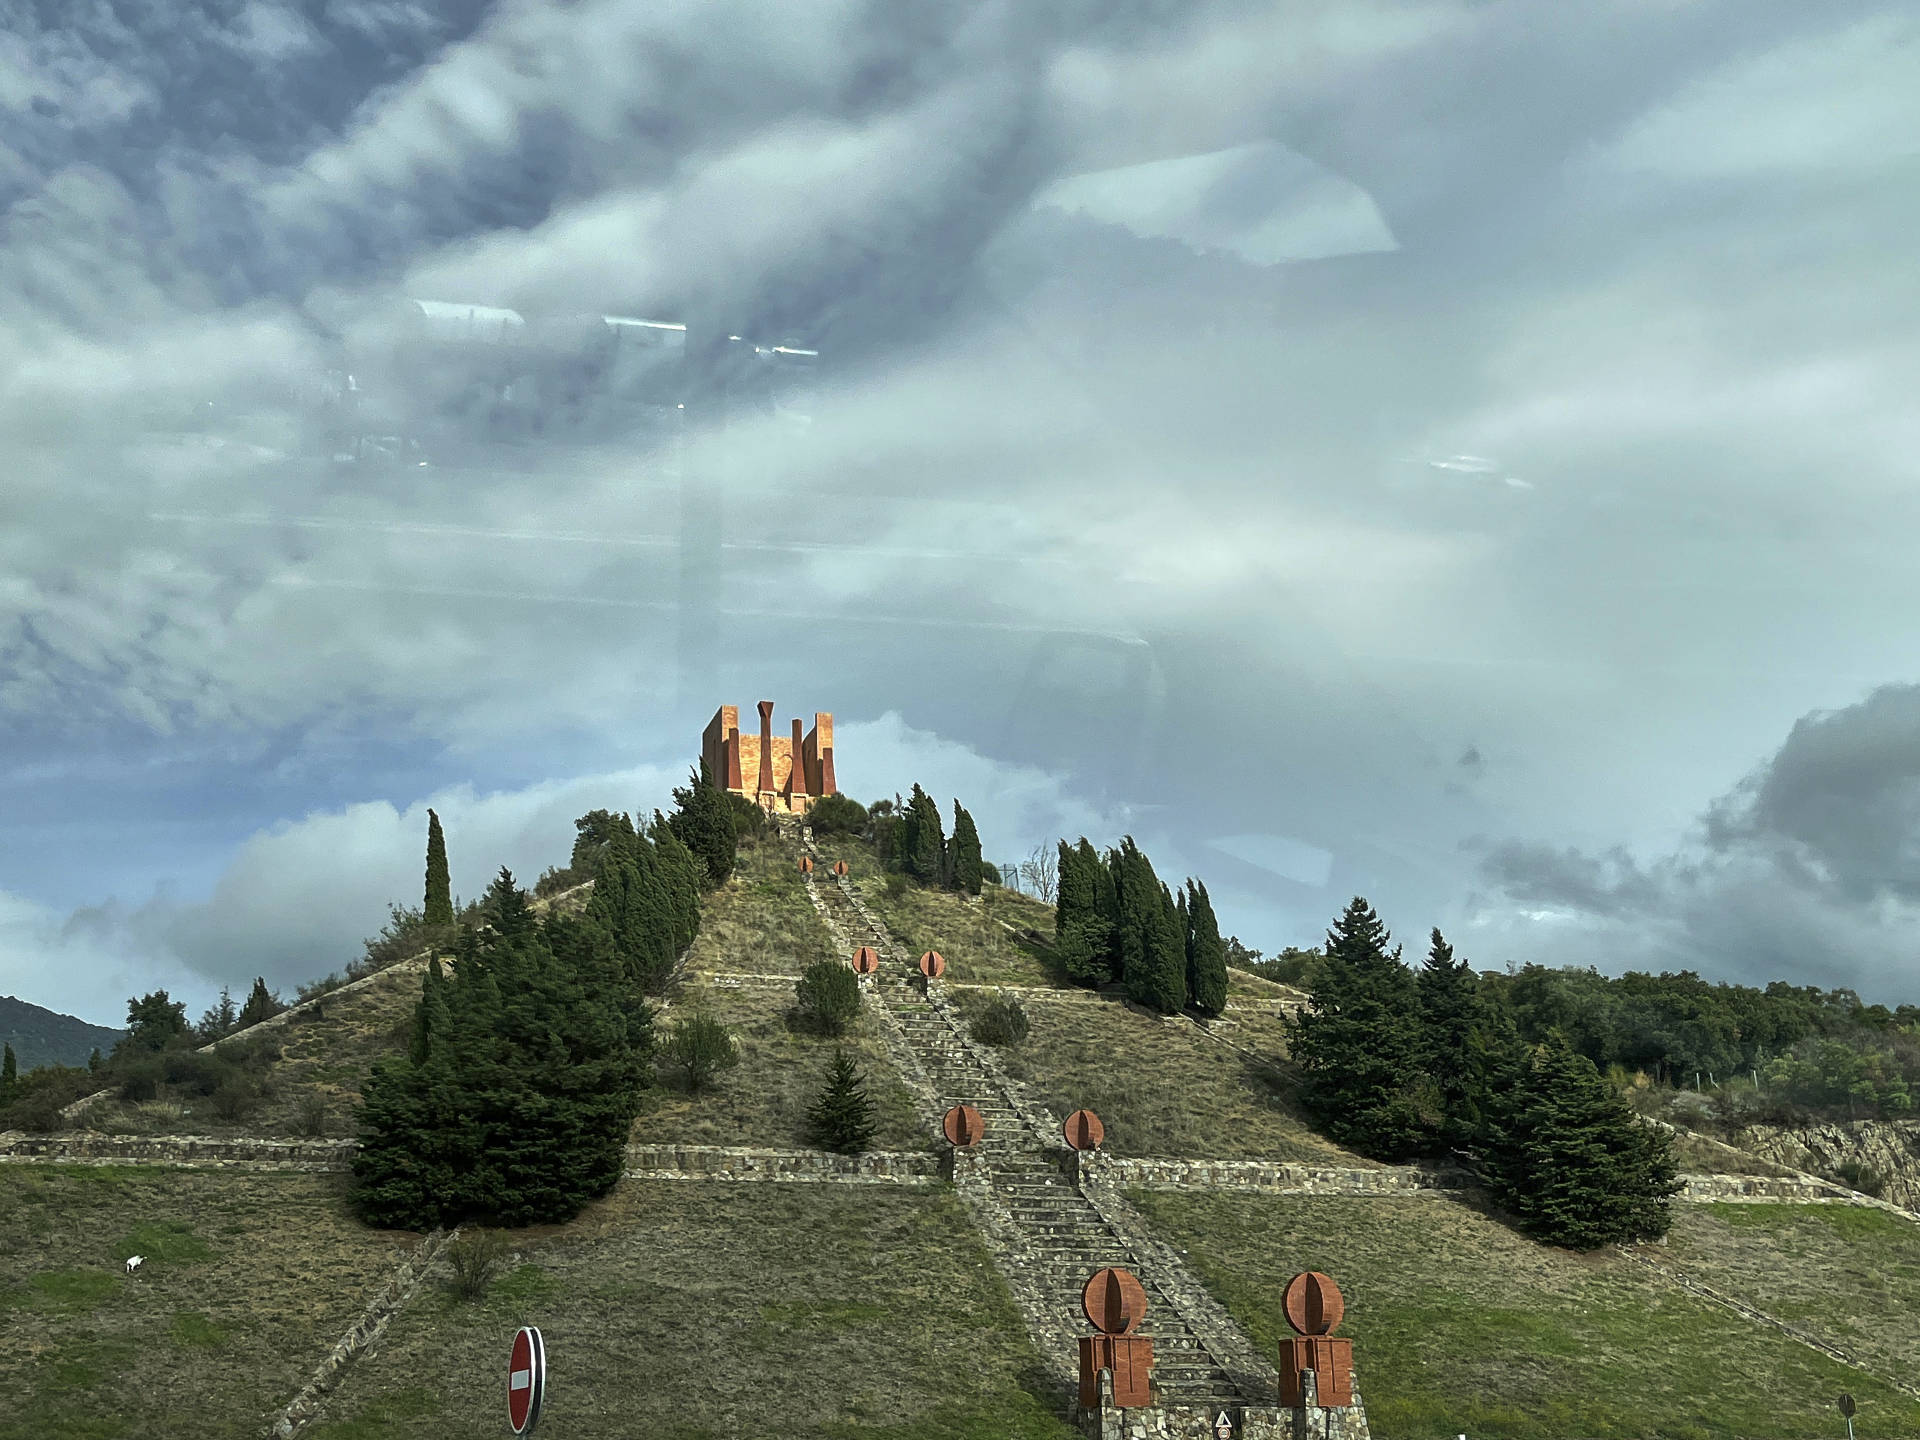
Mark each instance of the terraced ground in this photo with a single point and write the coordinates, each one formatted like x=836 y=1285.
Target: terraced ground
x=1462 y=1326
x=249 y=1280
x=694 y=1311
x=765 y=1098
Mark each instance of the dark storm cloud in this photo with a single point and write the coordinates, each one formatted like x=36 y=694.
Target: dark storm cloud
x=1810 y=867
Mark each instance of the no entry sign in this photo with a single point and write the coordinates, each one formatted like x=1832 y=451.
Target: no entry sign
x=526 y=1380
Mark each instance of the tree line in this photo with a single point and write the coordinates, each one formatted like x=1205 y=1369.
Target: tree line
x=527 y=1063
x=1116 y=922
x=1401 y=1064
x=1781 y=1052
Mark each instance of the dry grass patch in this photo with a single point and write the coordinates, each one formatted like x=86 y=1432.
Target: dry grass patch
x=1460 y=1325
x=249 y=1280
x=1161 y=1087
x=763 y=1100
x=760 y=922
x=978 y=949
x=1848 y=1274
x=682 y=1310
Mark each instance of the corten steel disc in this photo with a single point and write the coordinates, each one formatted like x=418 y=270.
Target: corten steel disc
x=1313 y=1303
x=1114 y=1301
x=839 y=867
x=933 y=965
x=806 y=864
x=964 y=1126
x=1084 y=1130
x=866 y=960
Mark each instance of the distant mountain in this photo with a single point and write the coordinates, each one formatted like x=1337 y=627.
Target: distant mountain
x=42 y=1037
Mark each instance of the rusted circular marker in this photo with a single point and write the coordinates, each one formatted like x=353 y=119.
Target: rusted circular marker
x=1084 y=1130
x=933 y=965
x=1114 y=1300
x=963 y=1126
x=806 y=864
x=839 y=867
x=866 y=960
x=1313 y=1303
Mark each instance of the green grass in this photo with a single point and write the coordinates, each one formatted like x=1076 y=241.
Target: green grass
x=1848 y=1274
x=761 y=922
x=763 y=1101
x=210 y=1336
x=194 y=1328
x=1459 y=1325
x=735 y=1310
x=1162 y=1088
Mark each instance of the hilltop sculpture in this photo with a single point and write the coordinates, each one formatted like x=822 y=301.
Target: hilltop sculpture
x=787 y=775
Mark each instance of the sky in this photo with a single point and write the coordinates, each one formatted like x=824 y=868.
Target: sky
x=1457 y=453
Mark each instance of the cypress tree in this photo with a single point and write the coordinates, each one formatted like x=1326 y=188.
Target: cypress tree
x=682 y=874
x=1106 y=905
x=439 y=906
x=430 y=1016
x=703 y=819
x=1454 y=1043
x=1081 y=933
x=923 y=852
x=1357 y=1042
x=1570 y=1161
x=842 y=1118
x=1206 y=953
x=595 y=833
x=966 y=853
x=9 y=1073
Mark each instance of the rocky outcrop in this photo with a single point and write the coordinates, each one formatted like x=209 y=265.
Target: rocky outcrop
x=1889 y=1148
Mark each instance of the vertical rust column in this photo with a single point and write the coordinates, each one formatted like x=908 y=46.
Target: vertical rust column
x=797 y=786
x=766 y=747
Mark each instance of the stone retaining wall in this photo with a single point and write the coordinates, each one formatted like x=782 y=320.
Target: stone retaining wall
x=717 y=1162
x=1274 y=1176
x=198 y=1152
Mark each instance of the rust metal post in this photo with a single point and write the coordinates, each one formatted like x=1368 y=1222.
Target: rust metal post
x=766 y=750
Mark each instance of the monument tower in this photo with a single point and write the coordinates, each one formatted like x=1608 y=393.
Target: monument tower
x=776 y=773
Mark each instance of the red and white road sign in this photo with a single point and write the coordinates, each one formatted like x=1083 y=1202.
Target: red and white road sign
x=526 y=1380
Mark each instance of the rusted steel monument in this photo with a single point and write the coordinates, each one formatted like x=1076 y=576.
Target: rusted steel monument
x=780 y=774
x=1316 y=1367
x=1115 y=1302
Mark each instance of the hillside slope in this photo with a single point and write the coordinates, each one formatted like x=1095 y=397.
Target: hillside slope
x=45 y=1037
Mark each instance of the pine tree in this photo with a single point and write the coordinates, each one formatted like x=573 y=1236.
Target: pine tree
x=439 y=906
x=842 y=1119
x=218 y=1020
x=514 y=1102
x=1570 y=1161
x=704 y=822
x=1206 y=953
x=1357 y=1043
x=965 y=849
x=1455 y=1043
x=262 y=1004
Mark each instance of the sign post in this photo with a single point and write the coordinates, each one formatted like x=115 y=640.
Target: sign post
x=1847 y=1408
x=526 y=1380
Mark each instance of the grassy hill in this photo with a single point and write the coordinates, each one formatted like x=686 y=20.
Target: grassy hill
x=691 y=1309
x=45 y=1037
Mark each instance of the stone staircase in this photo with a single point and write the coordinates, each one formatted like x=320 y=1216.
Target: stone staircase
x=1041 y=1218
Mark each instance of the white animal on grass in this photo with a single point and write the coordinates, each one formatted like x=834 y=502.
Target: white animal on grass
x=135 y=1262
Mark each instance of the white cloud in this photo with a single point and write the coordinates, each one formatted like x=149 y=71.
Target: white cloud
x=1848 y=101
